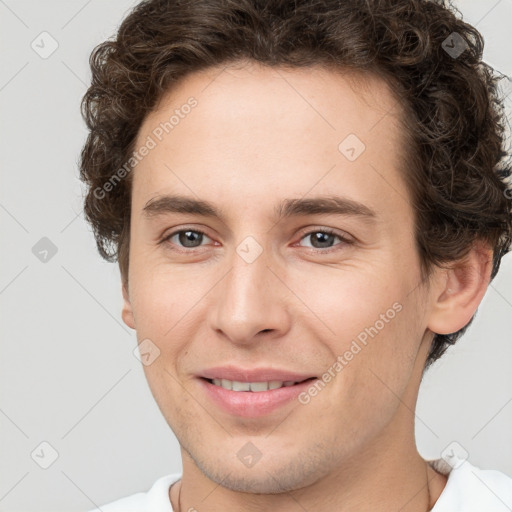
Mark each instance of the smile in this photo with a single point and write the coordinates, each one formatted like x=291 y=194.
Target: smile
x=252 y=399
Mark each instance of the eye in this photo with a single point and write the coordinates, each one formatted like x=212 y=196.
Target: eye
x=323 y=238
x=320 y=239
x=186 y=238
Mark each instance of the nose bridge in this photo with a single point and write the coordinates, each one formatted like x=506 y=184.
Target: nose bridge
x=248 y=280
x=249 y=298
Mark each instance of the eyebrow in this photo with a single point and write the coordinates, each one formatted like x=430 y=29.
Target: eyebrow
x=326 y=205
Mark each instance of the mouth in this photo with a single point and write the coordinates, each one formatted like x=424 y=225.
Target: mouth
x=252 y=399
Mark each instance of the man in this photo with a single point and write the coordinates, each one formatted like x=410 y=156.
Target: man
x=307 y=202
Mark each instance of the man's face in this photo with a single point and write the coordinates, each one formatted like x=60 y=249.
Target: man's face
x=260 y=290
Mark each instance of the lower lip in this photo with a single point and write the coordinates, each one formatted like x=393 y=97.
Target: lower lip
x=251 y=404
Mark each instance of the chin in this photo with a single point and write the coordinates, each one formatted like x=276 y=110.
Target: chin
x=266 y=476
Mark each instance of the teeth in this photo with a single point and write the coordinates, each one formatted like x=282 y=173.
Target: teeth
x=241 y=386
x=257 y=386
x=235 y=385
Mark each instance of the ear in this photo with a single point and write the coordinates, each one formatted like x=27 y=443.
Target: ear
x=462 y=291
x=127 y=313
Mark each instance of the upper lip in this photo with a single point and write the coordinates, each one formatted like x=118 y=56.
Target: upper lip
x=253 y=374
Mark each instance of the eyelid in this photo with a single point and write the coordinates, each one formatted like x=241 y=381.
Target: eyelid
x=345 y=239
x=324 y=229
x=167 y=235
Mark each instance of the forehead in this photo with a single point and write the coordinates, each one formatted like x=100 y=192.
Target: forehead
x=251 y=131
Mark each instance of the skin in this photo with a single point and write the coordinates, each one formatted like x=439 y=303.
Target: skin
x=258 y=136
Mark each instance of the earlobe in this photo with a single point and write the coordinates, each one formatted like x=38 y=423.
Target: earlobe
x=462 y=291
x=127 y=313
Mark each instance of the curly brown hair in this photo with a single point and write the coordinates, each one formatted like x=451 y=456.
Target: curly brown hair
x=455 y=168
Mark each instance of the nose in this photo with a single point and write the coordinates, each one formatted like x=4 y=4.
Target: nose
x=251 y=302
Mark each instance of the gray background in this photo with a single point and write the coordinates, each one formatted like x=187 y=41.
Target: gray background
x=68 y=374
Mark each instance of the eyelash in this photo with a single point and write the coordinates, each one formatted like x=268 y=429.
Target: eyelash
x=328 y=231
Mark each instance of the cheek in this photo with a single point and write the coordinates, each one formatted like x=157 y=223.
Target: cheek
x=161 y=300
x=165 y=303
x=371 y=331
x=348 y=300
x=380 y=371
